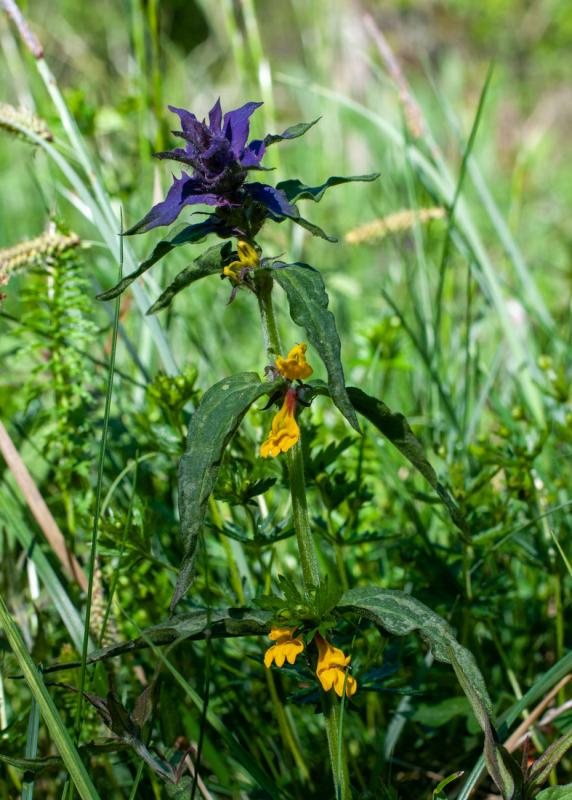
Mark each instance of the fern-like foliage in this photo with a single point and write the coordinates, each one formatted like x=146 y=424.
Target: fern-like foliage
x=58 y=331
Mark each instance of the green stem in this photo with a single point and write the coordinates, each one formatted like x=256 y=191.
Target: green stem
x=338 y=757
x=308 y=559
x=264 y=283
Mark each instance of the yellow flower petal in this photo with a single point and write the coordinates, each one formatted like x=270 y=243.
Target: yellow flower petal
x=287 y=647
x=247 y=254
x=295 y=367
x=284 y=432
x=331 y=669
x=247 y=259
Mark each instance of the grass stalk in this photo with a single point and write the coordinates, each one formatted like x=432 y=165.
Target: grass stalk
x=96 y=518
x=48 y=710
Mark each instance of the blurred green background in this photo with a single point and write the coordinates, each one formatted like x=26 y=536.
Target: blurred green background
x=462 y=323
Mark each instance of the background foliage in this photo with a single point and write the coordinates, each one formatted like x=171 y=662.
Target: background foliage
x=459 y=319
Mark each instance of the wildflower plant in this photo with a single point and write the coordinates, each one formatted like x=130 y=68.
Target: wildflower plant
x=303 y=620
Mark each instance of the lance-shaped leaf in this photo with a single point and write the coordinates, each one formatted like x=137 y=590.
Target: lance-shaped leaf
x=314 y=229
x=34 y=766
x=212 y=426
x=396 y=428
x=293 y=132
x=308 y=301
x=210 y=262
x=195 y=624
x=295 y=190
x=501 y=766
x=545 y=763
x=399 y=614
x=188 y=235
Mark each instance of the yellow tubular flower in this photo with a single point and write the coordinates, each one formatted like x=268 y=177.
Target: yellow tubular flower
x=247 y=259
x=285 y=431
x=285 y=649
x=295 y=367
x=332 y=668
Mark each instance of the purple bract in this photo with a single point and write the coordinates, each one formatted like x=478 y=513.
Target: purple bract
x=220 y=159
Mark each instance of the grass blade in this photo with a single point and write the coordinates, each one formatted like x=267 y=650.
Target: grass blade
x=54 y=722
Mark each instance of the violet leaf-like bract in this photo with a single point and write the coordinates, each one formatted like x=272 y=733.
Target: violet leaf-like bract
x=220 y=158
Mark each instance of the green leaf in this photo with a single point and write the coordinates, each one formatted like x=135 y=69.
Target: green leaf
x=210 y=262
x=212 y=426
x=394 y=426
x=502 y=768
x=537 y=691
x=194 y=624
x=295 y=190
x=556 y=793
x=400 y=614
x=308 y=301
x=188 y=235
x=293 y=132
x=438 y=793
x=545 y=763
x=34 y=766
x=315 y=230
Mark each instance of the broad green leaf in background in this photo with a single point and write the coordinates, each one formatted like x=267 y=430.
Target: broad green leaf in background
x=210 y=262
x=212 y=426
x=394 y=426
x=188 y=235
x=295 y=190
x=308 y=301
x=438 y=714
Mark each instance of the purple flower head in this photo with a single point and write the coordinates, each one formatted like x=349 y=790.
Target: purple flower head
x=220 y=158
x=217 y=151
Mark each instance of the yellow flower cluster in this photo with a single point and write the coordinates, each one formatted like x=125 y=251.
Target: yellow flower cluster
x=285 y=431
x=332 y=666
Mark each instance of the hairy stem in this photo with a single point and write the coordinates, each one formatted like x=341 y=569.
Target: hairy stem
x=338 y=757
x=264 y=283
x=308 y=560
